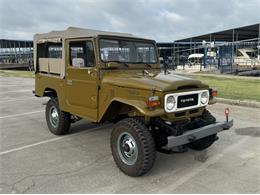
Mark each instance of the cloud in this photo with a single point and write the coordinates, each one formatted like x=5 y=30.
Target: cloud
x=117 y=23
x=164 y=20
x=171 y=17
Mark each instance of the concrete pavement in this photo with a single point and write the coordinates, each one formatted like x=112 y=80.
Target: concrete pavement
x=32 y=160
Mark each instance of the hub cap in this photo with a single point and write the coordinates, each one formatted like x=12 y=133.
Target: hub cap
x=127 y=148
x=54 y=116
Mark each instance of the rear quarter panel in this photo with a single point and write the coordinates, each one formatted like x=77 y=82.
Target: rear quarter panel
x=43 y=82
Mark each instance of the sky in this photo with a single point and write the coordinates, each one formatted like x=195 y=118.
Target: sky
x=162 y=20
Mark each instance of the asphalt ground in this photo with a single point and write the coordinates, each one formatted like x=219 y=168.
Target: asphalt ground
x=32 y=160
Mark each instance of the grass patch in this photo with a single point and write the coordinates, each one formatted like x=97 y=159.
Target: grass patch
x=237 y=88
x=16 y=73
x=233 y=88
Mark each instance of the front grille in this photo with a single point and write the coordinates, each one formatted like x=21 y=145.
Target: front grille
x=187 y=100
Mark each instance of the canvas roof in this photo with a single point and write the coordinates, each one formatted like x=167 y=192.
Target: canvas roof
x=74 y=32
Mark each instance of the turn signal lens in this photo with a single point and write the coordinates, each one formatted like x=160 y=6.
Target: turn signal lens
x=153 y=101
x=214 y=92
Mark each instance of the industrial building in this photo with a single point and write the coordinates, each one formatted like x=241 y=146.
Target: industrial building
x=231 y=50
x=16 y=54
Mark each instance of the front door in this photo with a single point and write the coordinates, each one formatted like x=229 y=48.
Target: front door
x=81 y=79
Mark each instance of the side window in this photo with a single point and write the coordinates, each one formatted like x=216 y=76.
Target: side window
x=49 y=50
x=55 y=51
x=82 y=54
x=49 y=57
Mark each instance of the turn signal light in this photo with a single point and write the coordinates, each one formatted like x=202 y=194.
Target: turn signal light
x=153 y=101
x=214 y=92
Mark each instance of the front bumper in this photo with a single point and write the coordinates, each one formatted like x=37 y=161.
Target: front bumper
x=198 y=133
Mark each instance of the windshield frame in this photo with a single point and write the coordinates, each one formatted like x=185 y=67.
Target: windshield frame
x=134 y=39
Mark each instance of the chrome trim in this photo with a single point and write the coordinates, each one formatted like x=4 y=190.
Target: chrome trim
x=127 y=148
x=176 y=95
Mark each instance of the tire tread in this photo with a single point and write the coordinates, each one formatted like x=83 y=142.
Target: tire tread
x=148 y=145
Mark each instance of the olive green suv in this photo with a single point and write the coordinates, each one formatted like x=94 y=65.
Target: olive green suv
x=104 y=76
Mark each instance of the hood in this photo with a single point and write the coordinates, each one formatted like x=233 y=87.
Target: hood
x=158 y=82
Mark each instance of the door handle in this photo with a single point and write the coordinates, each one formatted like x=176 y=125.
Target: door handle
x=92 y=73
x=69 y=82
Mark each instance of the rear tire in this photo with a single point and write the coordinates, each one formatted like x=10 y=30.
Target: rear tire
x=58 y=121
x=132 y=147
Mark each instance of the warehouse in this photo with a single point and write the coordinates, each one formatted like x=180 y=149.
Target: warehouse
x=16 y=54
x=228 y=50
x=232 y=50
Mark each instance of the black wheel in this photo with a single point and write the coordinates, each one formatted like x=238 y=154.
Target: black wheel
x=58 y=121
x=203 y=143
x=133 y=147
x=208 y=117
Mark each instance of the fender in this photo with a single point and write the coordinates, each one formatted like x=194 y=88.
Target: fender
x=141 y=107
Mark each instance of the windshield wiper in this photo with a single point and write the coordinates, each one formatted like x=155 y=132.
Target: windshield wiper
x=145 y=63
x=148 y=65
x=120 y=62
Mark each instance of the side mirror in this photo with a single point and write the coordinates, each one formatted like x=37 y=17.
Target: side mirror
x=78 y=62
x=166 y=66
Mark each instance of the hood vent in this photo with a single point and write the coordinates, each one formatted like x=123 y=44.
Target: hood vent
x=187 y=87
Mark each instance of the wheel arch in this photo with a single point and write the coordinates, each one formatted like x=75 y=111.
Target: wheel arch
x=129 y=108
x=50 y=92
x=120 y=107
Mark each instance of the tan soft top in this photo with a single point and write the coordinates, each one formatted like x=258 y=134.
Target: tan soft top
x=74 y=32
x=58 y=65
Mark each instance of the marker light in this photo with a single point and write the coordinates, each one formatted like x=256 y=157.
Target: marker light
x=226 y=111
x=214 y=92
x=153 y=101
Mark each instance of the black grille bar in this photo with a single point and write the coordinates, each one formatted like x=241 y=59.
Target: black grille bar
x=187 y=100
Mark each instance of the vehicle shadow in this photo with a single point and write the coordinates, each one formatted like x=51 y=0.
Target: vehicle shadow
x=249 y=131
x=84 y=125
x=167 y=164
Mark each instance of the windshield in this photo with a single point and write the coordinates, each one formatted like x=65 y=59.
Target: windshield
x=127 y=51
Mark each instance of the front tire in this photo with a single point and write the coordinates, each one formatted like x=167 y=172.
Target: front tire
x=58 y=121
x=132 y=147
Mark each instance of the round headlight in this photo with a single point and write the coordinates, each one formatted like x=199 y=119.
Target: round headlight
x=170 y=102
x=204 y=97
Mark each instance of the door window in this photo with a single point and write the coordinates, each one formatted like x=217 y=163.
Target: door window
x=82 y=54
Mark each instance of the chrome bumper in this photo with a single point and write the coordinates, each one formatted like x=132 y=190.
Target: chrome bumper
x=199 y=133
